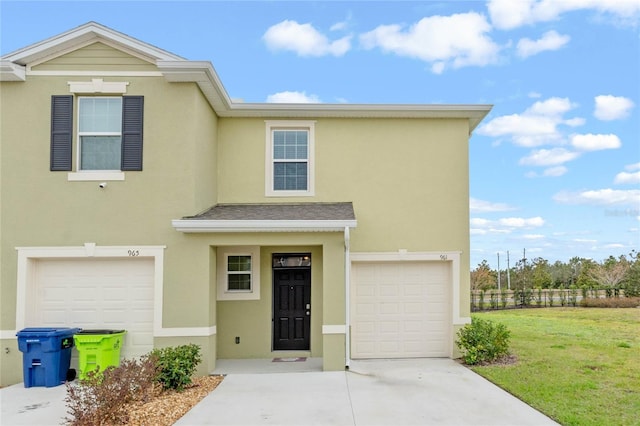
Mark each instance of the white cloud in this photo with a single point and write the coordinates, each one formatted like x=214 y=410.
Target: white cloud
x=550 y=40
x=548 y=157
x=533 y=236
x=293 y=98
x=509 y=14
x=627 y=178
x=610 y=107
x=632 y=167
x=507 y=225
x=537 y=125
x=519 y=222
x=534 y=95
x=338 y=26
x=613 y=246
x=555 y=171
x=591 y=142
x=304 y=40
x=600 y=197
x=481 y=206
x=455 y=41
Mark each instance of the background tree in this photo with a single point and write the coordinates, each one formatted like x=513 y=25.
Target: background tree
x=610 y=273
x=540 y=273
x=483 y=277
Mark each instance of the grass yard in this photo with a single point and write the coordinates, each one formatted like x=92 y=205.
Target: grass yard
x=580 y=366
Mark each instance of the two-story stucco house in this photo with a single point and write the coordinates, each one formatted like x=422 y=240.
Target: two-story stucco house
x=136 y=195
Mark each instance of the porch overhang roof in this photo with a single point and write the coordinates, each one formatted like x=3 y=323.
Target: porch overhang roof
x=275 y=217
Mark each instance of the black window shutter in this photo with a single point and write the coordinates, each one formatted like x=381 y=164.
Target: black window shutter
x=61 y=132
x=132 y=119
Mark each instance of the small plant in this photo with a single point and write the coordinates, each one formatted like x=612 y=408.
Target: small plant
x=573 y=295
x=483 y=341
x=177 y=365
x=632 y=289
x=563 y=297
x=551 y=294
x=481 y=302
x=493 y=299
x=100 y=398
x=539 y=297
x=503 y=298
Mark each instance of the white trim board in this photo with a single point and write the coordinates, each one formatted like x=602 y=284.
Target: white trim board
x=27 y=256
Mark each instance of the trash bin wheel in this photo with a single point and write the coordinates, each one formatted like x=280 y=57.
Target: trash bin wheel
x=71 y=374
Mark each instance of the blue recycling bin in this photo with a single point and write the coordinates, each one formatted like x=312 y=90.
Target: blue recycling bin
x=46 y=355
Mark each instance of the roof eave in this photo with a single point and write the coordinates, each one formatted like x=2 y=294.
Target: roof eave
x=215 y=226
x=10 y=71
x=81 y=35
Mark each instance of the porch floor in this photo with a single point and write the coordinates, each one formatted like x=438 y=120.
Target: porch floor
x=267 y=365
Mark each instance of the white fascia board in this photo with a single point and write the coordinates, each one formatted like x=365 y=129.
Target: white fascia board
x=11 y=72
x=190 y=226
x=203 y=73
x=82 y=35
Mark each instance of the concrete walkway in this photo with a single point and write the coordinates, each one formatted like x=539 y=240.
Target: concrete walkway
x=380 y=392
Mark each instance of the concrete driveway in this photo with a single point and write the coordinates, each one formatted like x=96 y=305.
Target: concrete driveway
x=380 y=392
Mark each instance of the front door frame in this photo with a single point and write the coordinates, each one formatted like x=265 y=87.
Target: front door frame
x=292 y=262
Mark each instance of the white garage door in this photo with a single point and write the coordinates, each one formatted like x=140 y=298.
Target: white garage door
x=96 y=294
x=400 y=309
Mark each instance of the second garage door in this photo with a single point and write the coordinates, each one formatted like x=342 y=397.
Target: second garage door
x=400 y=309
x=96 y=294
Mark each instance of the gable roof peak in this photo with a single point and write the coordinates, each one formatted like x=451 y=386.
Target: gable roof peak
x=82 y=36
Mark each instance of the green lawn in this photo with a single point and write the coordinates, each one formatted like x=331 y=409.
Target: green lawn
x=580 y=366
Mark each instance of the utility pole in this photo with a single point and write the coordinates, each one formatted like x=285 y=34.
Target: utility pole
x=524 y=268
x=508 y=273
x=498 y=271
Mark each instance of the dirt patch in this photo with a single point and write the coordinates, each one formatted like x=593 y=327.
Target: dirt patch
x=166 y=408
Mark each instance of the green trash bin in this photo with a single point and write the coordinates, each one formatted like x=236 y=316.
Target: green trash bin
x=98 y=348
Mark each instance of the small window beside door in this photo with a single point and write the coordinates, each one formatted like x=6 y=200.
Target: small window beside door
x=238 y=273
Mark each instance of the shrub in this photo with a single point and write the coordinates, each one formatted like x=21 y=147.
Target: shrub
x=503 y=298
x=177 y=365
x=100 y=398
x=483 y=341
x=632 y=289
x=493 y=299
x=622 y=302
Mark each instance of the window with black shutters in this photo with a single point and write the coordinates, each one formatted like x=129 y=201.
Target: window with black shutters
x=109 y=133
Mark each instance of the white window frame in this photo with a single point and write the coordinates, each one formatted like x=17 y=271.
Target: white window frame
x=223 y=254
x=79 y=140
x=273 y=125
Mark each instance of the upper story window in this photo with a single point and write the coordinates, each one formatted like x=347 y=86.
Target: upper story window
x=290 y=158
x=108 y=134
x=99 y=133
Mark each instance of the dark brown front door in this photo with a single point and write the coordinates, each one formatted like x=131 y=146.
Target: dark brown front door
x=291 y=309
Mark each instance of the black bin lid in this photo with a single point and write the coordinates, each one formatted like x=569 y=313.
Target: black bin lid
x=101 y=331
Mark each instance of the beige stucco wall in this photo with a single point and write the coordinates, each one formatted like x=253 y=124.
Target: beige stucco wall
x=41 y=208
x=399 y=203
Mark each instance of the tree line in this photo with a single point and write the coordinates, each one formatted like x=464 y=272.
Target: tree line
x=612 y=273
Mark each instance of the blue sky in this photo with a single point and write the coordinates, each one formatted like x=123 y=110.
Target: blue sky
x=555 y=167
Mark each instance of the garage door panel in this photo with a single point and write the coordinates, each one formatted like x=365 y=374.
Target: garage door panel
x=400 y=309
x=98 y=294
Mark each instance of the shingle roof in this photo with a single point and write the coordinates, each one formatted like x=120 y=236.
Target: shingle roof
x=284 y=212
